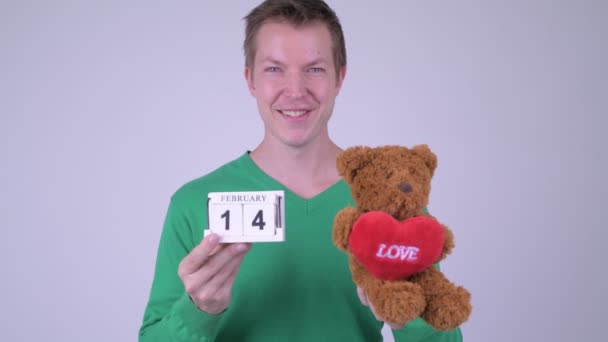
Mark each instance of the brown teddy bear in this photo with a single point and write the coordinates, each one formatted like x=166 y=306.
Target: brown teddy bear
x=393 y=243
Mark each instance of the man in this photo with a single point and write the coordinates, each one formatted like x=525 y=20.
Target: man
x=300 y=289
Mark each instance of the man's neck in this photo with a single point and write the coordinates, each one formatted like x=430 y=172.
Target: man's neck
x=306 y=170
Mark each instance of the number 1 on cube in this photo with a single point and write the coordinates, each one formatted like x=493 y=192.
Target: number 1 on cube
x=226 y=219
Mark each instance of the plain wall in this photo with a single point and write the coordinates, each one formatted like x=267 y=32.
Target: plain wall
x=107 y=107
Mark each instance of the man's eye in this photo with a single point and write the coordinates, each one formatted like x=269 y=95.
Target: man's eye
x=273 y=69
x=316 y=69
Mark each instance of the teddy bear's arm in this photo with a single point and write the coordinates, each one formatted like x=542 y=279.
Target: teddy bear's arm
x=448 y=241
x=447 y=305
x=343 y=224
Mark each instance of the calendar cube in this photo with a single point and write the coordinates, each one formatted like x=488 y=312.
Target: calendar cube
x=248 y=216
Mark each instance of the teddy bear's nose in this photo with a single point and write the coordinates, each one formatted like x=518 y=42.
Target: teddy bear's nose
x=405 y=187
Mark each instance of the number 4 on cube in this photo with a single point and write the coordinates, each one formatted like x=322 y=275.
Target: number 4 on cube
x=250 y=216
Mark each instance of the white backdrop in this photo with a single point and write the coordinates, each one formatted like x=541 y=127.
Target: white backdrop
x=106 y=107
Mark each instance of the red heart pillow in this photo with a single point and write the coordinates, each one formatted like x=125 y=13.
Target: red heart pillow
x=393 y=250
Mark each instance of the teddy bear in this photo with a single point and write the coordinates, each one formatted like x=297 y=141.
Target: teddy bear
x=393 y=244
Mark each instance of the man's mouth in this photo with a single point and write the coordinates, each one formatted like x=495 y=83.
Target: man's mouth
x=293 y=113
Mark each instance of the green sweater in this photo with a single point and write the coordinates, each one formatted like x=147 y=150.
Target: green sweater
x=297 y=290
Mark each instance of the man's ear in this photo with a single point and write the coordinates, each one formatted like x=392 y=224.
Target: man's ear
x=249 y=79
x=353 y=159
x=340 y=79
x=425 y=153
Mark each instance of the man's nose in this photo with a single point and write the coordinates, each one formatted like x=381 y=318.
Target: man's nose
x=295 y=86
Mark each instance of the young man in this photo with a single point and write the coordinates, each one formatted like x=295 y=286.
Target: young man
x=300 y=289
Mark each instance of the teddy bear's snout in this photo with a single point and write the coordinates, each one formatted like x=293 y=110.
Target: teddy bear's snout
x=405 y=187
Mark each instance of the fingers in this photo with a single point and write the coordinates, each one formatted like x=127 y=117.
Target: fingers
x=208 y=273
x=395 y=326
x=230 y=280
x=225 y=289
x=199 y=255
x=220 y=259
x=366 y=302
x=362 y=296
x=224 y=273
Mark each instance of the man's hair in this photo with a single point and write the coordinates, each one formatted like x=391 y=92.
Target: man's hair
x=297 y=13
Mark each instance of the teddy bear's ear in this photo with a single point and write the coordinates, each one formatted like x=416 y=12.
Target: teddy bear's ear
x=352 y=160
x=425 y=153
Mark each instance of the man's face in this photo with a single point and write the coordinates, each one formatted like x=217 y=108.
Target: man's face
x=294 y=81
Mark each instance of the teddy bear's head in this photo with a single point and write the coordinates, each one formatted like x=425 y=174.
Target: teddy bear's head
x=393 y=179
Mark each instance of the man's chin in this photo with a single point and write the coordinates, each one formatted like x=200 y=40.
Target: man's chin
x=295 y=141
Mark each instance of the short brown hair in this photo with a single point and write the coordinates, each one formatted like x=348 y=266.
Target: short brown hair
x=295 y=12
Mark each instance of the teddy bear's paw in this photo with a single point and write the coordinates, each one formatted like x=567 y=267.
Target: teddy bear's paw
x=342 y=227
x=449 y=310
x=398 y=302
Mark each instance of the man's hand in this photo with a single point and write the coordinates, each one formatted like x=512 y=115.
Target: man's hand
x=364 y=301
x=208 y=273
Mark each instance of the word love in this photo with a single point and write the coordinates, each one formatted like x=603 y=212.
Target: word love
x=405 y=253
x=391 y=249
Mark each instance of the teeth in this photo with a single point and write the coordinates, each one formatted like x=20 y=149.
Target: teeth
x=293 y=113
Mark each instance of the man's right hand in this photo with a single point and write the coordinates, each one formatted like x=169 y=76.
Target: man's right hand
x=208 y=273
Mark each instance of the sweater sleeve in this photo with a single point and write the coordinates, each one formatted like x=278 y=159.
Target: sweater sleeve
x=170 y=315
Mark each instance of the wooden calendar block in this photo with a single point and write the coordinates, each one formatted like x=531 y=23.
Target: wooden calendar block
x=226 y=219
x=259 y=219
x=248 y=216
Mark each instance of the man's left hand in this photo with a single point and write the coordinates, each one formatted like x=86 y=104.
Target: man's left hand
x=364 y=301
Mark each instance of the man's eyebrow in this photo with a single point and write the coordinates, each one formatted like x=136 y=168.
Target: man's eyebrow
x=317 y=61
x=271 y=60
x=309 y=64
